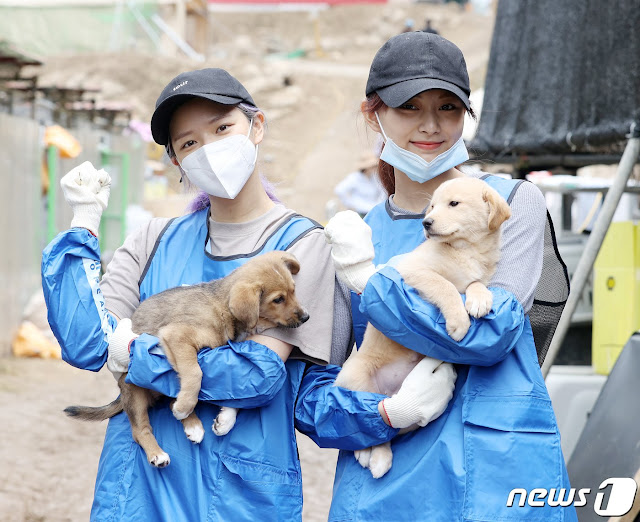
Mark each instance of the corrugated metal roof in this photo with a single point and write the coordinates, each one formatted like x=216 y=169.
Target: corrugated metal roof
x=8 y=53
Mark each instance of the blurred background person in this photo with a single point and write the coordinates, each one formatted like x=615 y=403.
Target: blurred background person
x=409 y=26
x=428 y=28
x=360 y=190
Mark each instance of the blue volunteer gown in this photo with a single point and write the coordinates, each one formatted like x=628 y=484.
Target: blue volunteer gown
x=498 y=433
x=252 y=473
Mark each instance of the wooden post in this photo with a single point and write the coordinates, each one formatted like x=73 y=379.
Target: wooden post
x=198 y=25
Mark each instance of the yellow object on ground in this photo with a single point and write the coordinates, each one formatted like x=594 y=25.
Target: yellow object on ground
x=616 y=294
x=29 y=341
x=155 y=151
x=61 y=138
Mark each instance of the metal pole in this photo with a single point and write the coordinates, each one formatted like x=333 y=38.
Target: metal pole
x=102 y=234
x=125 y=196
x=117 y=25
x=592 y=247
x=316 y=33
x=146 y=26
x=177 y=39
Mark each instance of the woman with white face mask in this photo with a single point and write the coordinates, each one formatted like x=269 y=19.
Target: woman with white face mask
x=495 y=431
x=212 y=130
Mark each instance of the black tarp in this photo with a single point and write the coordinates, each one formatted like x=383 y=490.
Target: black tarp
x=563 y=78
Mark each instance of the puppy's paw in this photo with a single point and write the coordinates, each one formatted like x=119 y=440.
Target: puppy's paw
x=458 y=325
x=225 y=420
x=194 y=432
x=363 y=457
x=180 y=414
x=479 y=303
x=182 y=408
x=381 y=460
x=161 y=460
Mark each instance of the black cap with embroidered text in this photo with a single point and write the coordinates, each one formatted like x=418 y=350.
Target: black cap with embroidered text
x=211 y=84
x=411 y=63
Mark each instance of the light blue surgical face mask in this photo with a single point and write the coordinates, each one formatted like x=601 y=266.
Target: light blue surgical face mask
x=417 y=168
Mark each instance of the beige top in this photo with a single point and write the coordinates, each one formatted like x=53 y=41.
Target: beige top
x=316 y=286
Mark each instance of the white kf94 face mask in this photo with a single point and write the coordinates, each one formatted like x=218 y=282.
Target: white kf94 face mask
x=222 y=168
x=416 y=167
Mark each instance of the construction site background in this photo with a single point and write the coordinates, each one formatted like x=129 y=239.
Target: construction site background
x=306 y=69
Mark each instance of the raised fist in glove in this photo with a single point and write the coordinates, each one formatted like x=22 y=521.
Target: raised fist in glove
x=423 y=396
x=86 y=190
x=351 y=249
x=119 y=343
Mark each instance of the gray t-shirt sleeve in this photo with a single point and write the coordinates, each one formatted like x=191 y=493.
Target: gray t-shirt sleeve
x=120 y=283
x=343 y=339
x=520 y=264
x=316 y=291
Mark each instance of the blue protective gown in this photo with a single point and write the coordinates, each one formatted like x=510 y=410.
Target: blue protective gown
x=498 y=433
x=252 y=473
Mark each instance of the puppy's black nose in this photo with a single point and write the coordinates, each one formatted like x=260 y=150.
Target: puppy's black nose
x=426 y=223
x=304 y=317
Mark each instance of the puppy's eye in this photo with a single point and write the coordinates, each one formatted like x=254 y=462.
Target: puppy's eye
x=278 y=300
x=453 y=203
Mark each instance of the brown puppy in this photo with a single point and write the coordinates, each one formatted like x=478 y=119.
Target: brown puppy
x=462 y=226
x=253 y=298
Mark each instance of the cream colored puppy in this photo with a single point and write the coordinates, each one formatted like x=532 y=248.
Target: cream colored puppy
x=462 y=226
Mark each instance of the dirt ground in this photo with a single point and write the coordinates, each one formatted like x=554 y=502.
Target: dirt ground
x=314 y=138
x=49 y=462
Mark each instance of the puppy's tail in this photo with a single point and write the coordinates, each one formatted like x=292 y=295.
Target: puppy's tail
x=98 y=413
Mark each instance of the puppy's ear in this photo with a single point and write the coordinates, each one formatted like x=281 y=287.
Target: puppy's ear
x=244 y=303
x=499 y=210
x=291 y=262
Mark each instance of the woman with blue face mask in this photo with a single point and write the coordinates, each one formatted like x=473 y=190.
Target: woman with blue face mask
x=498 y=432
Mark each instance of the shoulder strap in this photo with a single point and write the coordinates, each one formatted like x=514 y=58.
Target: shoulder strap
x=288 y=233
x=552 y=289
x=153 y=251
x=505 y=187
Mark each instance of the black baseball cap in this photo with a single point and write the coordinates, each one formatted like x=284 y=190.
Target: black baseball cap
x=410 y=63
x=211 y=84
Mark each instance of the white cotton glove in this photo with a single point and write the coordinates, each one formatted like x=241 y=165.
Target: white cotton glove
x=351 y=249
x=423 y=396
x=86 y=190
x=118 y=358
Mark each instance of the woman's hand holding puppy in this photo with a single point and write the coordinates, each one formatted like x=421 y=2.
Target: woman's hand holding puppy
x=423 y=396
x=121 y=339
